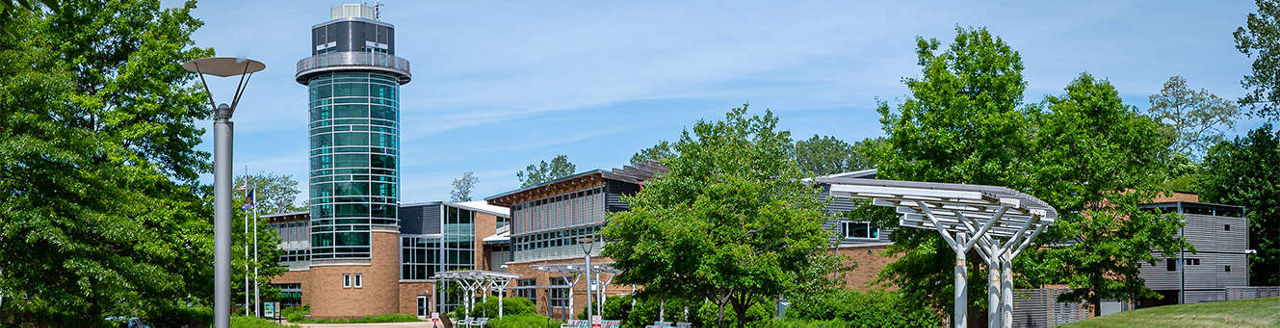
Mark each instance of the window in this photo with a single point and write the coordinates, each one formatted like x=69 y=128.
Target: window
x=1170 y=265
x=1227 y=268
x=1193 y=261
x=863 y=230
x=1226 y=227
x=346 y=280
x=359 y=282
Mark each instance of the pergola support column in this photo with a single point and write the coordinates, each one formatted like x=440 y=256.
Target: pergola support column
x=961 y=290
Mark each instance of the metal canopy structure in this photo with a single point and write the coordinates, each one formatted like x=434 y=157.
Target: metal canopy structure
x=473 y=280
x=577 y=270
x=999 y=221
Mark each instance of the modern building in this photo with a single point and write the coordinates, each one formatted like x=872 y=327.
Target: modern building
x=432 y=237
x=549 y=220
x=1220 y=235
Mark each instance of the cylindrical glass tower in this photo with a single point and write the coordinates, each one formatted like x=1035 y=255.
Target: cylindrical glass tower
x=354 y=79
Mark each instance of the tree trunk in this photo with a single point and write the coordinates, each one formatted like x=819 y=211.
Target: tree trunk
x=740 y=308
x=720 y=318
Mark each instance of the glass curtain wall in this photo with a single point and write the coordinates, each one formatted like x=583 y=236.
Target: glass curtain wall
x=354 y=169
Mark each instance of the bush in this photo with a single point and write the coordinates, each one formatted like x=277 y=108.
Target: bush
x=756 y=314
x=381 y=318
x=296 y=313
x=528 y=320
x=252 y=322
x=802 y=323
x=873 y=309
x=489 y=308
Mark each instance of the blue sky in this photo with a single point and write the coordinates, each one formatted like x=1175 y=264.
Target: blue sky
x=499 y=85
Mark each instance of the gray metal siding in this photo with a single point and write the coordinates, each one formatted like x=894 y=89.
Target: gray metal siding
x=614 y=191
x=1217 y=247
x=420 y=219
x=1209 y=234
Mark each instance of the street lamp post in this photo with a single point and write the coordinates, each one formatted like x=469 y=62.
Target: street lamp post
x=587 y=244
x=222 y=135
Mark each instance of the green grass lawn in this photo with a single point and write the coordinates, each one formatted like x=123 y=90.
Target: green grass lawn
x=1263 y=312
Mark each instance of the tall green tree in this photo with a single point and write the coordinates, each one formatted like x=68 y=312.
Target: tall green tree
x=462 y=187
x=544 y=171
x=1196 y=119
x=825 y=155
x=1085 y=153
x=1259 y=39
x=731 y=222
x=963 y=122
x=277 y=193
x=1246 y=172
x=102 y=214
x=1096 y=160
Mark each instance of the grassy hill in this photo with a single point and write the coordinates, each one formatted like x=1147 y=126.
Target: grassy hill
x=1263 y=312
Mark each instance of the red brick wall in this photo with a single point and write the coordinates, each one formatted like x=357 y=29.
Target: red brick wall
x=869 y=261
x=381 y=286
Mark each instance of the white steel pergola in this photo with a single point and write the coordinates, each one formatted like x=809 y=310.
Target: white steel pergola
x=577 y=270
x=1000 y=221
x=472 y=280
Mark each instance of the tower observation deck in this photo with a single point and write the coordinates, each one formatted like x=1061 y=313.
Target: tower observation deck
x=354 y=78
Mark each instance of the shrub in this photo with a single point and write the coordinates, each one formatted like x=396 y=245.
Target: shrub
x=489 y=308
x=873 y=309
x=757 y=313
x=296 y=313
x=528 y=320
x=252 y=322
x=802 y=323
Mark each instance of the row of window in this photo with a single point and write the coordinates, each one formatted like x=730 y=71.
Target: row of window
x=325 y=173
x=352 y=280
x=353 y=177
x=570 y=209
x=295 y=231
x=351 y=211
x=295 y=255
x=528 y=293
x=353 y=100
x=353 y=161
x=327 y=112
x=379 y=89
x=566 y=237
x=353 y=188
x=339 y=140
x=1172 y=264
x=345 y=128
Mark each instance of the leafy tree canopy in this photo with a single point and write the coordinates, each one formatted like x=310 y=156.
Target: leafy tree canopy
x=1246 y=172
x=1259 y=39
x=462 y=187
x=277 y=193
x=544 y=171
x=98 y=166
x=731 y=222
x=1085 y=153
x=825 y=155
x=1196 y=119
x=662 y=151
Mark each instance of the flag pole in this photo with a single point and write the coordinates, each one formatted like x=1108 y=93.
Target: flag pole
x=257 y=311
x=245 y=186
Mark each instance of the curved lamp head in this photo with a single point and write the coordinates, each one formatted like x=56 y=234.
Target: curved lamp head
x=224 y=66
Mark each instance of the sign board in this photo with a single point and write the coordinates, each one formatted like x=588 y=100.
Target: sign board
x=435 y=316
x=269 y=309
x=593 y=284
x=595 y=321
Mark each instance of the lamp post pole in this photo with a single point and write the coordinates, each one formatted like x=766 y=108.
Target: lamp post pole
x=587 y=244
x=222 y=151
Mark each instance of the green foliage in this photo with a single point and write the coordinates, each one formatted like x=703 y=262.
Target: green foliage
x=462 y=187
x=662 y=151
x=1246 y=172
x=244 y=322
x=489 y=308
x=1098 y=161
x=1087 y=154
x=528 y=320
x=825 y=155
x=731 y=221
x=277 y=193
x=1196 y=119
x=872 y=309
x=296 y=313
x=756 y=314
x=804 y=323
x=534 y=174
x=1260 y=39
x=102 y=210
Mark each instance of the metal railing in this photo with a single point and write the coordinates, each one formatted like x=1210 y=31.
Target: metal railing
x=382 y=61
